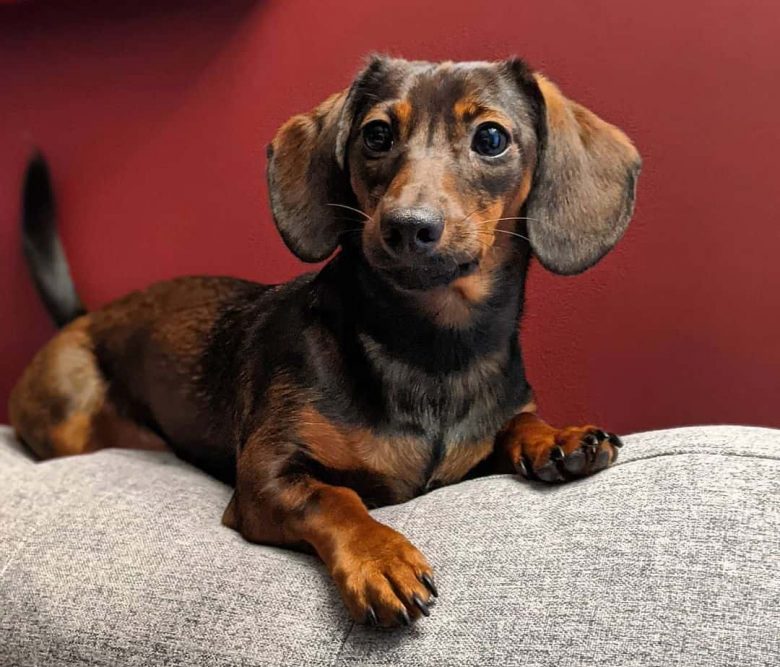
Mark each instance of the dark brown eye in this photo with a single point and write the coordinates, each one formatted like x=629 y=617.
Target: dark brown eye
x=378 y=136
x=490 y=140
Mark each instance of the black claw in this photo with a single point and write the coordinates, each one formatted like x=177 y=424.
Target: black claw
x=601 y=435
x=421 y=605
x=427 y=579
x=614 y=440
x=556 y=454
x=403 y=617
x=528 y=469
x=371 y=617
x=590 y=440
x=522 y=469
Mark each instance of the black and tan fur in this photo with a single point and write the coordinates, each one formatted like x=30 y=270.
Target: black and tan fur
x=387 y=373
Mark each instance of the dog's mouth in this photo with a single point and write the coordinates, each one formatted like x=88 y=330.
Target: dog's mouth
x=436 y=271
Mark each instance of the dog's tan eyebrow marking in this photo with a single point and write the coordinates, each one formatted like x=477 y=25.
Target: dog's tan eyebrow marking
x=468 y=109
x=403 y=112
x=396 y=112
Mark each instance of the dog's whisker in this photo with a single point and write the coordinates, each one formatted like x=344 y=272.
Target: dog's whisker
x=514 y=218
x=351 y=208
x=504 y=231
x=469 y=215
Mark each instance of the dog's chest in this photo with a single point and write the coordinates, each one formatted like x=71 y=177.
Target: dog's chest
x=448 y=420
x=456 y=406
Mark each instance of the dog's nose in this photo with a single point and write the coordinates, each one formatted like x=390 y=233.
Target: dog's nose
x=413 y=230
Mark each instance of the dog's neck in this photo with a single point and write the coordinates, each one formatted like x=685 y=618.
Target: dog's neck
x=411 y=374
x=440 y=330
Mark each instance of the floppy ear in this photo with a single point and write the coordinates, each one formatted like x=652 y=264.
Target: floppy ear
x=305 y=175
x=584 y=186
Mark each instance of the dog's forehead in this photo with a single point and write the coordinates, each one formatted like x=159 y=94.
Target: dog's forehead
x=434 y=87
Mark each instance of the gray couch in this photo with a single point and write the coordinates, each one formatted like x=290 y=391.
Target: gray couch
x=672 y=557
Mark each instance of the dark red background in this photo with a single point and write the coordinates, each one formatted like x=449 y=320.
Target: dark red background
x=155 y=116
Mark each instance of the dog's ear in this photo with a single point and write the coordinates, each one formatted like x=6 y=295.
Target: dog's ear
x=305 y=175
x=584 y=185
x=307 y=171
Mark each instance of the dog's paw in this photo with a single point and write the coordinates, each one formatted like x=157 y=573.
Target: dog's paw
x=383 y=579
x=568 y=453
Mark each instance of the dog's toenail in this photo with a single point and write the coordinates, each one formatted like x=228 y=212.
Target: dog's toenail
x=556 y=454
x=421 y=605
x=427 y=579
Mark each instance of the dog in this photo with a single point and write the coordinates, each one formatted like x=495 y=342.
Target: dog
x=393 y=370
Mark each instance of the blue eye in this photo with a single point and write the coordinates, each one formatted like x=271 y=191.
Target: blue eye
x=378 y=136
x=490 y=140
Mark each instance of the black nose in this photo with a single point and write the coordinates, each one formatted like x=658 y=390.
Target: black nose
x=416 y=230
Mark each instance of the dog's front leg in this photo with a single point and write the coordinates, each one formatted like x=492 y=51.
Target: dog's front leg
x=383 y=579
x=536 y=450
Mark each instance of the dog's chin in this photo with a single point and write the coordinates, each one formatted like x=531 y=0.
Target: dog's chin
x=434 y=272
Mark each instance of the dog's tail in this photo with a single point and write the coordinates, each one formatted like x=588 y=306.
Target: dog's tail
x=42 y=248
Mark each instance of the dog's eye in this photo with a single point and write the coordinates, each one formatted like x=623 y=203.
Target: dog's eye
x=490 y=140
x=378 y=136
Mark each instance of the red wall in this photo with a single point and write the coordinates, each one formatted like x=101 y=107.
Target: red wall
x=155 y=121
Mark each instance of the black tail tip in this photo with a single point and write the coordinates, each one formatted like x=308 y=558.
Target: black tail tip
x=37 y=168
x=41 y=244
x=37 y=161
x=37 y=196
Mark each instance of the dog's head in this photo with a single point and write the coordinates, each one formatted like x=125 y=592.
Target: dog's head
x=428 y=166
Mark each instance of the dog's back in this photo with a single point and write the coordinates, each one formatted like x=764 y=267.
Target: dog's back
x=128 y=373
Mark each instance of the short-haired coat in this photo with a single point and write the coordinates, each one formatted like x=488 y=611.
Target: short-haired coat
x=393 y=370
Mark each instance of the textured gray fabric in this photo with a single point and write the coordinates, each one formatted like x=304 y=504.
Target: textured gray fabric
x=669 y=558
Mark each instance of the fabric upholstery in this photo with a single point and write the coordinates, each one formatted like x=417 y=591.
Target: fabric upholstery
x=672 y=557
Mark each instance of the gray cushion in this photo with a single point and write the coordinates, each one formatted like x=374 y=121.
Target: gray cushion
x=669 y=558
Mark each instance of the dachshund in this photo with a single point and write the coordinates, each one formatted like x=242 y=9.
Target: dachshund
x=394 y=369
